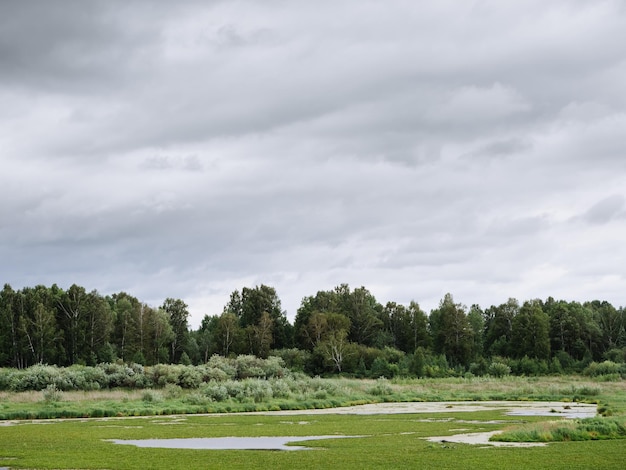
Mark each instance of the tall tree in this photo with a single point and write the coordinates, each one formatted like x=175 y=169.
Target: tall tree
x=158 y=335
x=252 y=303
x=531 y=332
x=227 y=332
x=205 y=336
x=71 y=314
x=364 y=313
x=476 y=318
x=322 y=302
x=98 y=326
x=452 y=331
x=178 y=313
x=9 y=335
x=611 y=323
x=334 y=348
x=499 y=327
x=126 y=310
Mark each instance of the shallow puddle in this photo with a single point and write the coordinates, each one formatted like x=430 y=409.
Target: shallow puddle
x=561 y=413
x=228 y=443
x=480 y=438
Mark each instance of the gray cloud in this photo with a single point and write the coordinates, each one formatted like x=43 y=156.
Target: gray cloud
x=606 y=209
x=188 y=149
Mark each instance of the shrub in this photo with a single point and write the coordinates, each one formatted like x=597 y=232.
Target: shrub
x=604 y=368
x=274 y=367
x=215 y=392
x=381 y=368
x=52 y=394
x=189 y=377
x=249 y=366
x=151 y=396
x=196 y=399
x=259 y=390
x=294 y=359
x=529 y=366
x=498 y=369
x=173 y=391
x=224 y=364
x=33 y=378
x=212 y=374
x=616 y=355
x=479 y=367
x=281 y=388
x=382 y=387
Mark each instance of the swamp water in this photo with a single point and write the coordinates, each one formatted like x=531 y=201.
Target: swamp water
x=228 y=443
x=556 y=409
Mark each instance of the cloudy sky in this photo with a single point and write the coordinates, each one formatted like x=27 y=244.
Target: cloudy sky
x=187 y=149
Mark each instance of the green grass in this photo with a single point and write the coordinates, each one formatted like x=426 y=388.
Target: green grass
x=599 y=428
x=313 y=393
x=391 y=441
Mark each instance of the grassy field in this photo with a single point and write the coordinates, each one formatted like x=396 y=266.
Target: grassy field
x=389 y=441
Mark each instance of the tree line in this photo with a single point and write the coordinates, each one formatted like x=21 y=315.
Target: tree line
x=340 y=330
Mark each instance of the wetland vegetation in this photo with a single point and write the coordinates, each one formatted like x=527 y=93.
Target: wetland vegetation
x=79 y=370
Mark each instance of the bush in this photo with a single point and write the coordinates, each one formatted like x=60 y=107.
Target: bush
x=479 y=367
x=33 y=378
x=249 y=366
x=151 y=396
x=173 y=391
x=498 y=369
x=189 y=377
x=224 y=364
x=52 y=394
x=212 y=374
x=215 y=392
x=381 y=388
x=196 y=399
x=616 y=355
x=604 y=368
x=527 y=366
x=294 y=359
x=381 y=368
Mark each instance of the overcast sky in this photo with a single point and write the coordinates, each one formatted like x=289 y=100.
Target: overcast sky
x=187 y=149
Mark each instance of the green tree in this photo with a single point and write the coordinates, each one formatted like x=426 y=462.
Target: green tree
x=499 y=328
x=323 y=324
x=178 y=314
x=573 y=329
x=39 y=328
x=98 y=326
x=419 y=328
x=476 y=318
x=227 y=332
x=204 y=337
x=335 y=348
x=71 y=314
x=531 y=332
x=158 y=335
x=262 y=335
x=9 y=355
x=452 y=331
x=249 y=307
x=364 y=313
x=322 y=302
x=611 y=323
x=126 y=311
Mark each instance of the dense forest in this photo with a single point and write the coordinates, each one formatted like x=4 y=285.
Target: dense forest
x=340 y=330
